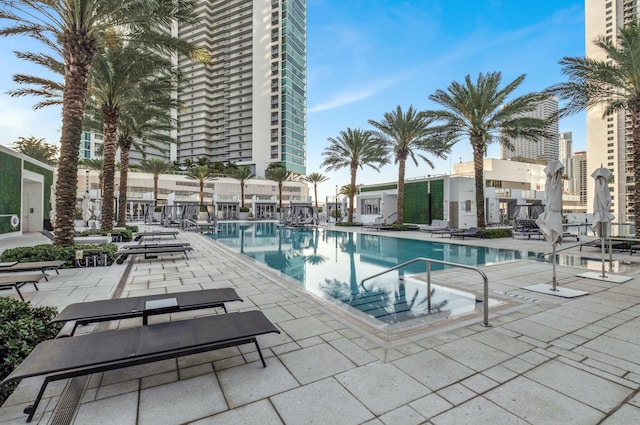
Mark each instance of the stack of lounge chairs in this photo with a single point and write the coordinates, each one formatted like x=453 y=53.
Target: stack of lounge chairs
x=81 y=355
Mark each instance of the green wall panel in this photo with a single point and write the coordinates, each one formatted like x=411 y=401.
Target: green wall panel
x=416 y=202
x=381 y=187
x=10 y=188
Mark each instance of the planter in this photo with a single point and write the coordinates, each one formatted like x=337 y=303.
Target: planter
x=243 y=215
x=79 y=223
x=203 y=216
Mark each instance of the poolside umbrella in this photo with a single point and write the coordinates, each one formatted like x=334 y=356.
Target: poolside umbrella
x=86 y=212
x=52 y=201
x=550 y=221
x=601 y=206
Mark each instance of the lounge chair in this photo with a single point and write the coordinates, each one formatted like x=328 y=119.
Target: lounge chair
x=435 y=226
x=122 y=254
x=155 y=245
x=43 y=266
x=526 y=227
x=17 y=280
x=471 y=232
x=63 y=358
x=156 y=234
x=127 y=308
x=81 y=240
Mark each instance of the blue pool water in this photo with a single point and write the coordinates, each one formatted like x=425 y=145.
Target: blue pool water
x=333 y=263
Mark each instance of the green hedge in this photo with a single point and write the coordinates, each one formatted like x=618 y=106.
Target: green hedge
x=22 y=327
x=126 y=235
x=490 y=233
x=48 y=252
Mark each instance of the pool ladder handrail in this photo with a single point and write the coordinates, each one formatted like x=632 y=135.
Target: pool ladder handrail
x=428 y=261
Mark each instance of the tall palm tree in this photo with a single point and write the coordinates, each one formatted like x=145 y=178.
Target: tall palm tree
x=76 y=29
x=280 y=175
x=200 y=172
x=408 y=133
x=121 y=77
x=315 y=178
x=242 y=174
x=611 y=84
x=481 y=112
x=156 y=167
x=354 y=149
x=136 y=127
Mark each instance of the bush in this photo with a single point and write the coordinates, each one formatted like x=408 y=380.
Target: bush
x=158 y=208
x=320 y=209
x=49 y=252
x=125 y=235
x=244 y=209
x=22 y=327
x=45 y=252
x=491 y=233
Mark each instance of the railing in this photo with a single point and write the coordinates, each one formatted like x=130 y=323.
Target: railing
x=428 y=261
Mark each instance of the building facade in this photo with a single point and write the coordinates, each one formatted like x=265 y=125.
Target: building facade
x=247 y=105
x=580 y=174
x=565 y=155
x=545 y=149
x=608 y=136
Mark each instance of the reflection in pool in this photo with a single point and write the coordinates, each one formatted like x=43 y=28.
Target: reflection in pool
x=333 y=263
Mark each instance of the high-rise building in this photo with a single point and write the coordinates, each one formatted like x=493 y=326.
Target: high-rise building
x=544 y=149
x=579 y=182
x=565 y=153
x=247 y=105
x=608 y=137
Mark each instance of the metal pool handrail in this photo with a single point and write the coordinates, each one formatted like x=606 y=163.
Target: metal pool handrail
x=428 y=261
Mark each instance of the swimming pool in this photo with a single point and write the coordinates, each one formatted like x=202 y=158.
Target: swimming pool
x=332 y=263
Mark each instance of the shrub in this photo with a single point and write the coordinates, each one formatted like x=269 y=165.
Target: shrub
x=22 y=327
x=125 y=235
x=491 y=233
x=320 y=209
x=158 y=208
x=44 y=252
x=244 y=209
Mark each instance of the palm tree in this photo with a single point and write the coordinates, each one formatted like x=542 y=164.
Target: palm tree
x=137 y=126
x=611 y=84
x=77 y=29
x=200 y=172
x=407 y=133
x=315 y=178
x=122 y=77
x=480 y=112
x=280 y=175
x=156 y=167
x=354 y=149
x=243 y=174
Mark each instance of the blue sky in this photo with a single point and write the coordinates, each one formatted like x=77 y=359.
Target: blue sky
x=366 y=57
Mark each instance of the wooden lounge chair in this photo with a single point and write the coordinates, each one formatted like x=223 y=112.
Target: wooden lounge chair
x=156 y=234
x=126 y=308
x=63 y=358
x=435 y=226
x=471 y=232
x=17 y=280
x=151 y=252
x=43 y=266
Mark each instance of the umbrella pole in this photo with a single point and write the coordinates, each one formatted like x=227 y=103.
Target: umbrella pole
x=553 y=259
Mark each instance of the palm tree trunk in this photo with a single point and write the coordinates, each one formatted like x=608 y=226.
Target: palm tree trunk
x=155 y=188
x=242 y=194
x=77 y=53
x=280 y=194
x=402 y=164
x=110 y=127
x=478 y=166
x=124 y=174
x=352 y=191
x=315 y=193
x=201 y=192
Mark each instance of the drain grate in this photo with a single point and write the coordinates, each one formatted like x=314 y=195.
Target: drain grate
x=69 y=400
x=517 y=296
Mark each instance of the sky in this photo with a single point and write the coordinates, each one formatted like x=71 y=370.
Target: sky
x=366 y=57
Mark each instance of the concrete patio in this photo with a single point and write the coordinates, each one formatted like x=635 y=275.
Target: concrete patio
x=544 y=360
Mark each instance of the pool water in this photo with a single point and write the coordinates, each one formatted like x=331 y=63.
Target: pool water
x=332 y=263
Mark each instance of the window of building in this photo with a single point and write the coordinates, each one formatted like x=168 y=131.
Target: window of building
x=467 y=206
x=371 y=206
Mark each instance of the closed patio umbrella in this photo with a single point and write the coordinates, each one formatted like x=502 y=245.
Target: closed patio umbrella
x=86 y=212
x=550 y=221
x=601 y=207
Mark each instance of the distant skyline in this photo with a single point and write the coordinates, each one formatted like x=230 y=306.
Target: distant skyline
x=365 y=58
